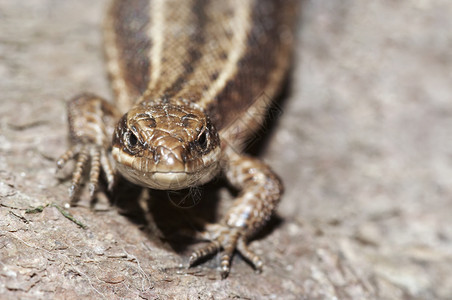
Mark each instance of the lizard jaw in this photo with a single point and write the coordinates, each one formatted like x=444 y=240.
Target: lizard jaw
x=164 y=180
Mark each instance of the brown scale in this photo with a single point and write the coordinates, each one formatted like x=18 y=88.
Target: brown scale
x=193 y=79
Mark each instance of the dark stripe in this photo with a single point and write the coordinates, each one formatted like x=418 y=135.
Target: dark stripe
x=194 y=54
x=130 y=24
x=264 y=46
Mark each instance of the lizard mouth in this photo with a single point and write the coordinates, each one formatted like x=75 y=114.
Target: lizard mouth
x=157 y=180
x=145 y=172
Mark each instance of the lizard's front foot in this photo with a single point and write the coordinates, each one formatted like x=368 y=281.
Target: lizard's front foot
x=260 y=193
x=87 y=154
x=226 y=240
x=91 y=124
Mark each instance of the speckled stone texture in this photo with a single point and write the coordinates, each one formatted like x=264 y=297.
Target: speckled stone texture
x=363 y=145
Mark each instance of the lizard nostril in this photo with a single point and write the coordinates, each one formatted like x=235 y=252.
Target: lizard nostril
x=184 y=156
x=156 y=157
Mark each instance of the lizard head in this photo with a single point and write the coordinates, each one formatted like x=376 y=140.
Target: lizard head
x=165 y=146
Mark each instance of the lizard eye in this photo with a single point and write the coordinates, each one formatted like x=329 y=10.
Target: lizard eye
x=131 y=140
x=203 y=141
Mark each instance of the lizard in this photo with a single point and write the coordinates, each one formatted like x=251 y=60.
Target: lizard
x=190 y=80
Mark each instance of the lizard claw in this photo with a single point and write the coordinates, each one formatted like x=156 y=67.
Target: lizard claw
x=97 y=157
x=228 y=240
x=91 y=124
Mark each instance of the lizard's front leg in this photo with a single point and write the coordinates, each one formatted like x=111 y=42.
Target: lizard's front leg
x=91 y=125
x=260 y=193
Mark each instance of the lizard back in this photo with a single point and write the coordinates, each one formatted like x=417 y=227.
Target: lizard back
x=229 y=57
